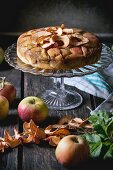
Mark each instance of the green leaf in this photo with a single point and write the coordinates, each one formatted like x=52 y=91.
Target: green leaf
x=101 y=114
x=101 y=142
x=100 y=129
x=95 y=150
x=99 y=117
x=93 y=119
x=99 y=120
x=109 y=153
x=95 y=144
x=93 y=138
x=109 y=129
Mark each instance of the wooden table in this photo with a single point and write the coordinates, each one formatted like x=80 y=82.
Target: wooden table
x=32 y=156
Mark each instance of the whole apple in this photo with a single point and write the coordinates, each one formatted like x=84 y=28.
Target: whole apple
x=4 y=107
x=1 y=55
x=72 y=150
x=34 y=108
x=9 y=91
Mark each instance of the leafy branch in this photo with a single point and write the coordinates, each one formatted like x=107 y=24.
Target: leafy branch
x=101 y=142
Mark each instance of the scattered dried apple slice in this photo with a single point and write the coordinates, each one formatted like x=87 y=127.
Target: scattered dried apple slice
x=52 y=133
x=57 y=130
x=17 y=135
x=62 y=132
x=64 y=120
x=26 y=127
x=75 y=122
x=51 y=129
x=53 y=140
x=3 y=145
x=34 y=130
x=11 y=141
x=27 y=138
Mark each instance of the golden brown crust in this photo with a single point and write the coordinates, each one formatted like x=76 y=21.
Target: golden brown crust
x=58 y=48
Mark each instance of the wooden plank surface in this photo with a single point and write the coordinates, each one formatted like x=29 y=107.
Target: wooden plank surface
x=43 y=157
x=32 y=156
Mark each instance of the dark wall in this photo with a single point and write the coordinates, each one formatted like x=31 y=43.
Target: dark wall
x=22 y=15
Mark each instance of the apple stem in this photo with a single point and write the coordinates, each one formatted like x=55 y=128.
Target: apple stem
x=32 y=101
x=2 y=81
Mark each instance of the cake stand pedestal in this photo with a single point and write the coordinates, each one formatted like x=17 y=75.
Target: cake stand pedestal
x=61 y=99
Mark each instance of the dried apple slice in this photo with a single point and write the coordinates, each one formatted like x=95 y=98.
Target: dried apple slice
x=57 y=130
x=11 y=141
x=46 y=45
x=65 y=40
x=26 y=127
x=68 y=31
x=27 y=138
x=3 y=146
x=53 y=140
x=17 y=135
x=65 y=120
x=83 y=39
x=62 y=132
x=59 y=31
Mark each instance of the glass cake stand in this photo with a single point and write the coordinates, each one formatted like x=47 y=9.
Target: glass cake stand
x=59 y=97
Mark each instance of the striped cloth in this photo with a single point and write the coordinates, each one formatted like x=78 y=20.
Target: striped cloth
x=99 y=84
x=106 y=105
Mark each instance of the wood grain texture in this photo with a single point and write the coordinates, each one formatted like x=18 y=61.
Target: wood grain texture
x=43 y=157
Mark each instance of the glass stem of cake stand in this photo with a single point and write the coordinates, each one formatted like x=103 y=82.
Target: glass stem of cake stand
x=59 y=98
x=59 y=86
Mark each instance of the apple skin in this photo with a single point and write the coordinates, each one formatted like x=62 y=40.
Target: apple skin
x=34 y=108
x=72 y=150
x=8 y=91
x=4 y=107
x=1 y=55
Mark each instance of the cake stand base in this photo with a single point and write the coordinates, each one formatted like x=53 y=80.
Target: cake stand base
x=62 y=99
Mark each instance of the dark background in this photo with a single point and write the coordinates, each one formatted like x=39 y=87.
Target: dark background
x=91 y=15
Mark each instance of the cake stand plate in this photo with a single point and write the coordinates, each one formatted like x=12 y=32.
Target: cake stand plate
x=58 y=97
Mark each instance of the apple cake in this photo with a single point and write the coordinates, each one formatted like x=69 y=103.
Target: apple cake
x=58 y=48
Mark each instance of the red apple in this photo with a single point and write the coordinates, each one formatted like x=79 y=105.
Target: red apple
x=72 y=150
x=34 y=108
x=4 y=107
x=8 y=90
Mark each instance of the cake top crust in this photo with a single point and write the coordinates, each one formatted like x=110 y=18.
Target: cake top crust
x=56 y=43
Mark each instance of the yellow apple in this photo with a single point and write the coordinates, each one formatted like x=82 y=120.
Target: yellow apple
x=4 y=107
x=72 y=150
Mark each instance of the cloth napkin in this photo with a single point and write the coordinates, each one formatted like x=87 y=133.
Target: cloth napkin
x=99 y=84
x=106 y=105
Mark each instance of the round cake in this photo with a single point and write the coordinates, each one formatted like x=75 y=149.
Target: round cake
x=58 y=48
